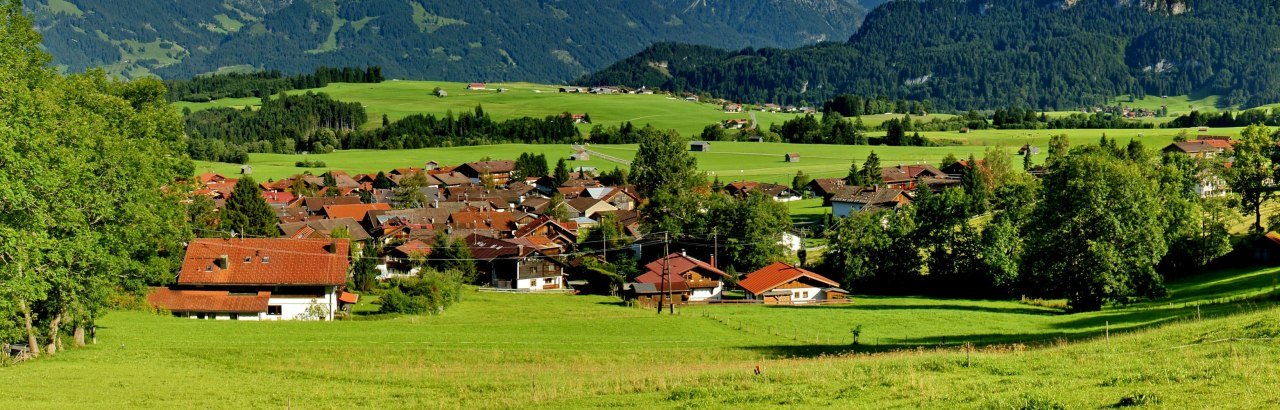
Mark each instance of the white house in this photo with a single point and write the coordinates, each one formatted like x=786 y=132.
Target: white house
x=704 y=281
x=259 y=279
x=783 y=284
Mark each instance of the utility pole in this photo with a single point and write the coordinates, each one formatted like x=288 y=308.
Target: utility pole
x=666 y=273
x=715 y=248
x=604 y=243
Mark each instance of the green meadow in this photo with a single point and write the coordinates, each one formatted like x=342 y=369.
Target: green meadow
x=1204 y=347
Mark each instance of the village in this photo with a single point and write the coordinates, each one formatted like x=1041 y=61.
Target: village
x=523 y=235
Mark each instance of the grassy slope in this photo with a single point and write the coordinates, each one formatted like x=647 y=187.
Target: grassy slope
x=502 y=350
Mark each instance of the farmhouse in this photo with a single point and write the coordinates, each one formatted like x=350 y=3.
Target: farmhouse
x=1201 y=148
x=733 y=108
x=735 y=123
x=522 y=263
x=699 y=146
x=704 y=282
x=858 y=199
x=791 y=157
x=780 y=193
x=905 y=176
x=499 y=172
x=258 y=279
x=784 y=284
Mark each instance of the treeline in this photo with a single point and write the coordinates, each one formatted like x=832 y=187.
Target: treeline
x=211 y=87
x=1029 y=119
x=287 y=124
x=979 y=54
x=1226 y=119
x=1062 y=237
x=853 y=105
x=316 y=123
x=468 y=128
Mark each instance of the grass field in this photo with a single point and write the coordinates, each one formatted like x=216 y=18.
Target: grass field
x=557 y=351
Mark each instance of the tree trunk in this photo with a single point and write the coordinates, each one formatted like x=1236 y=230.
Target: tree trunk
x=79 y=335
x=1257 y=222
x=54 y=339
x=28 y=321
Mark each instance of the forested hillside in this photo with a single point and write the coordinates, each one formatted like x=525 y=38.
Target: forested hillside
x=482 y=40
x=994 y=53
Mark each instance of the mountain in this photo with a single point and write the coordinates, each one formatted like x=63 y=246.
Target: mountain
x=983 y=54
x=477 y=40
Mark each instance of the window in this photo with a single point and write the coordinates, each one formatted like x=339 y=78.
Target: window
x=199 y=315
x=274 y=310
x=266 y=259
x=235 y=316
x=248 y=259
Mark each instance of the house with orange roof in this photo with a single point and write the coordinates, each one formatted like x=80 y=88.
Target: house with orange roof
x=259 y=279
x=704 y=281
x=785 y=284
x=353 y=211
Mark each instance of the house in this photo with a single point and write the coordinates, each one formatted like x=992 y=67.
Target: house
x=323 y=229
x=475 y=86
x=733 y=108
x=791 y=157
x=905 y=176
x=258 y=279
x=571 y=89
x=353 y=211
x=777 y=192
x=577 y=118
x=735 y=123
x=315 y=204
x=1029 y=149
x=859 y=199
x=825 y=188
x=755 y=139
x=784 y=284
x=771 y=107
x=498 y=172
x=582 y=155
x=546 y=227
x=650 y=291
x=704 y=281
x=431 y=165
x=521 y=264
x=1201 y=148
x=699 y=146
x=957 y=169
x=587 y=207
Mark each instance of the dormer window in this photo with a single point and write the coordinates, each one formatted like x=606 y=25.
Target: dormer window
x=266 y=259
x=248 y=259
x=208 y=268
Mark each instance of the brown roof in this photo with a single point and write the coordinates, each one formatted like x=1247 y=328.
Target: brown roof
x=502 y=221
x=488 y=167
x=871 y=198
x=278 y=261
x=680 y=263
x=316 y=204
x=908 y=173
x=324 y=228
x=779 y=274
x=208 y=301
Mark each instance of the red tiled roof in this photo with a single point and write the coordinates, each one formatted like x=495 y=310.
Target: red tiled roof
x=277 y=261
x=483 y=220
x=415 y=247
x=353 y=211
x=278 y=198
x=348 y=298
x=207 y=301
x=680 y=264
x=678 y=283
x=778 y=274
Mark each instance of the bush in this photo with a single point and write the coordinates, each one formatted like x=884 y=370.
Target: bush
x=310 y=164
x=431 y=292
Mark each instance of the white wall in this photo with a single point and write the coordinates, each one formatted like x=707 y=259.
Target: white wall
x=537 y=283
x=813 y=294
x=292 y=307
x=704 y=294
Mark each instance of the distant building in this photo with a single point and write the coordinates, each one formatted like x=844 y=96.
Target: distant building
x=699 y=146
x=476 y=86
x=791 y=157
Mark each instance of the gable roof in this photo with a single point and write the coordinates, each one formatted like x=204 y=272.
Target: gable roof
x=276 y=261
x=353 y=211
x=323 y=228
x=489 y=220
x=487 y=167
x=316 y=204
x=208 y=301
x=680 y=263
x=778 y=274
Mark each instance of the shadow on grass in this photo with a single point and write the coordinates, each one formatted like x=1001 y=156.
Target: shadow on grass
x=876 y=303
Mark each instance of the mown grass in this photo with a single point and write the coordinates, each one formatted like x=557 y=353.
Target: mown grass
x=556 y=351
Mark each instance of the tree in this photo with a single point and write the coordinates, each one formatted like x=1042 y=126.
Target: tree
x=556 y=208
x=976 y=183
x=449 y=254
x=663 y=164
x=750 y=229
x=364 y=273
x=1026 y=161
x=530 y=165
x=713 y=132
x=381 y=181
x=1058 y=146
x=855 y=177
x=409 y=193
x=948 y=160
x=1251 y=169
x=247 y=213
x=1095 y=237
x=1000 y=253
x=561 y=174
x=800 y=182
x=871 y=170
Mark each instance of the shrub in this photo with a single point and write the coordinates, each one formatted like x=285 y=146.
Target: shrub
x=395 y=301
x=310 y=164
x=431 y=292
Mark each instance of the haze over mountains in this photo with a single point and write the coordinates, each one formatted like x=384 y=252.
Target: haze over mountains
x=479 y=40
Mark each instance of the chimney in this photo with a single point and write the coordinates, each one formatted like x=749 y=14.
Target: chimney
x=519 y=250
x=435 y=203
x=223 y=261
